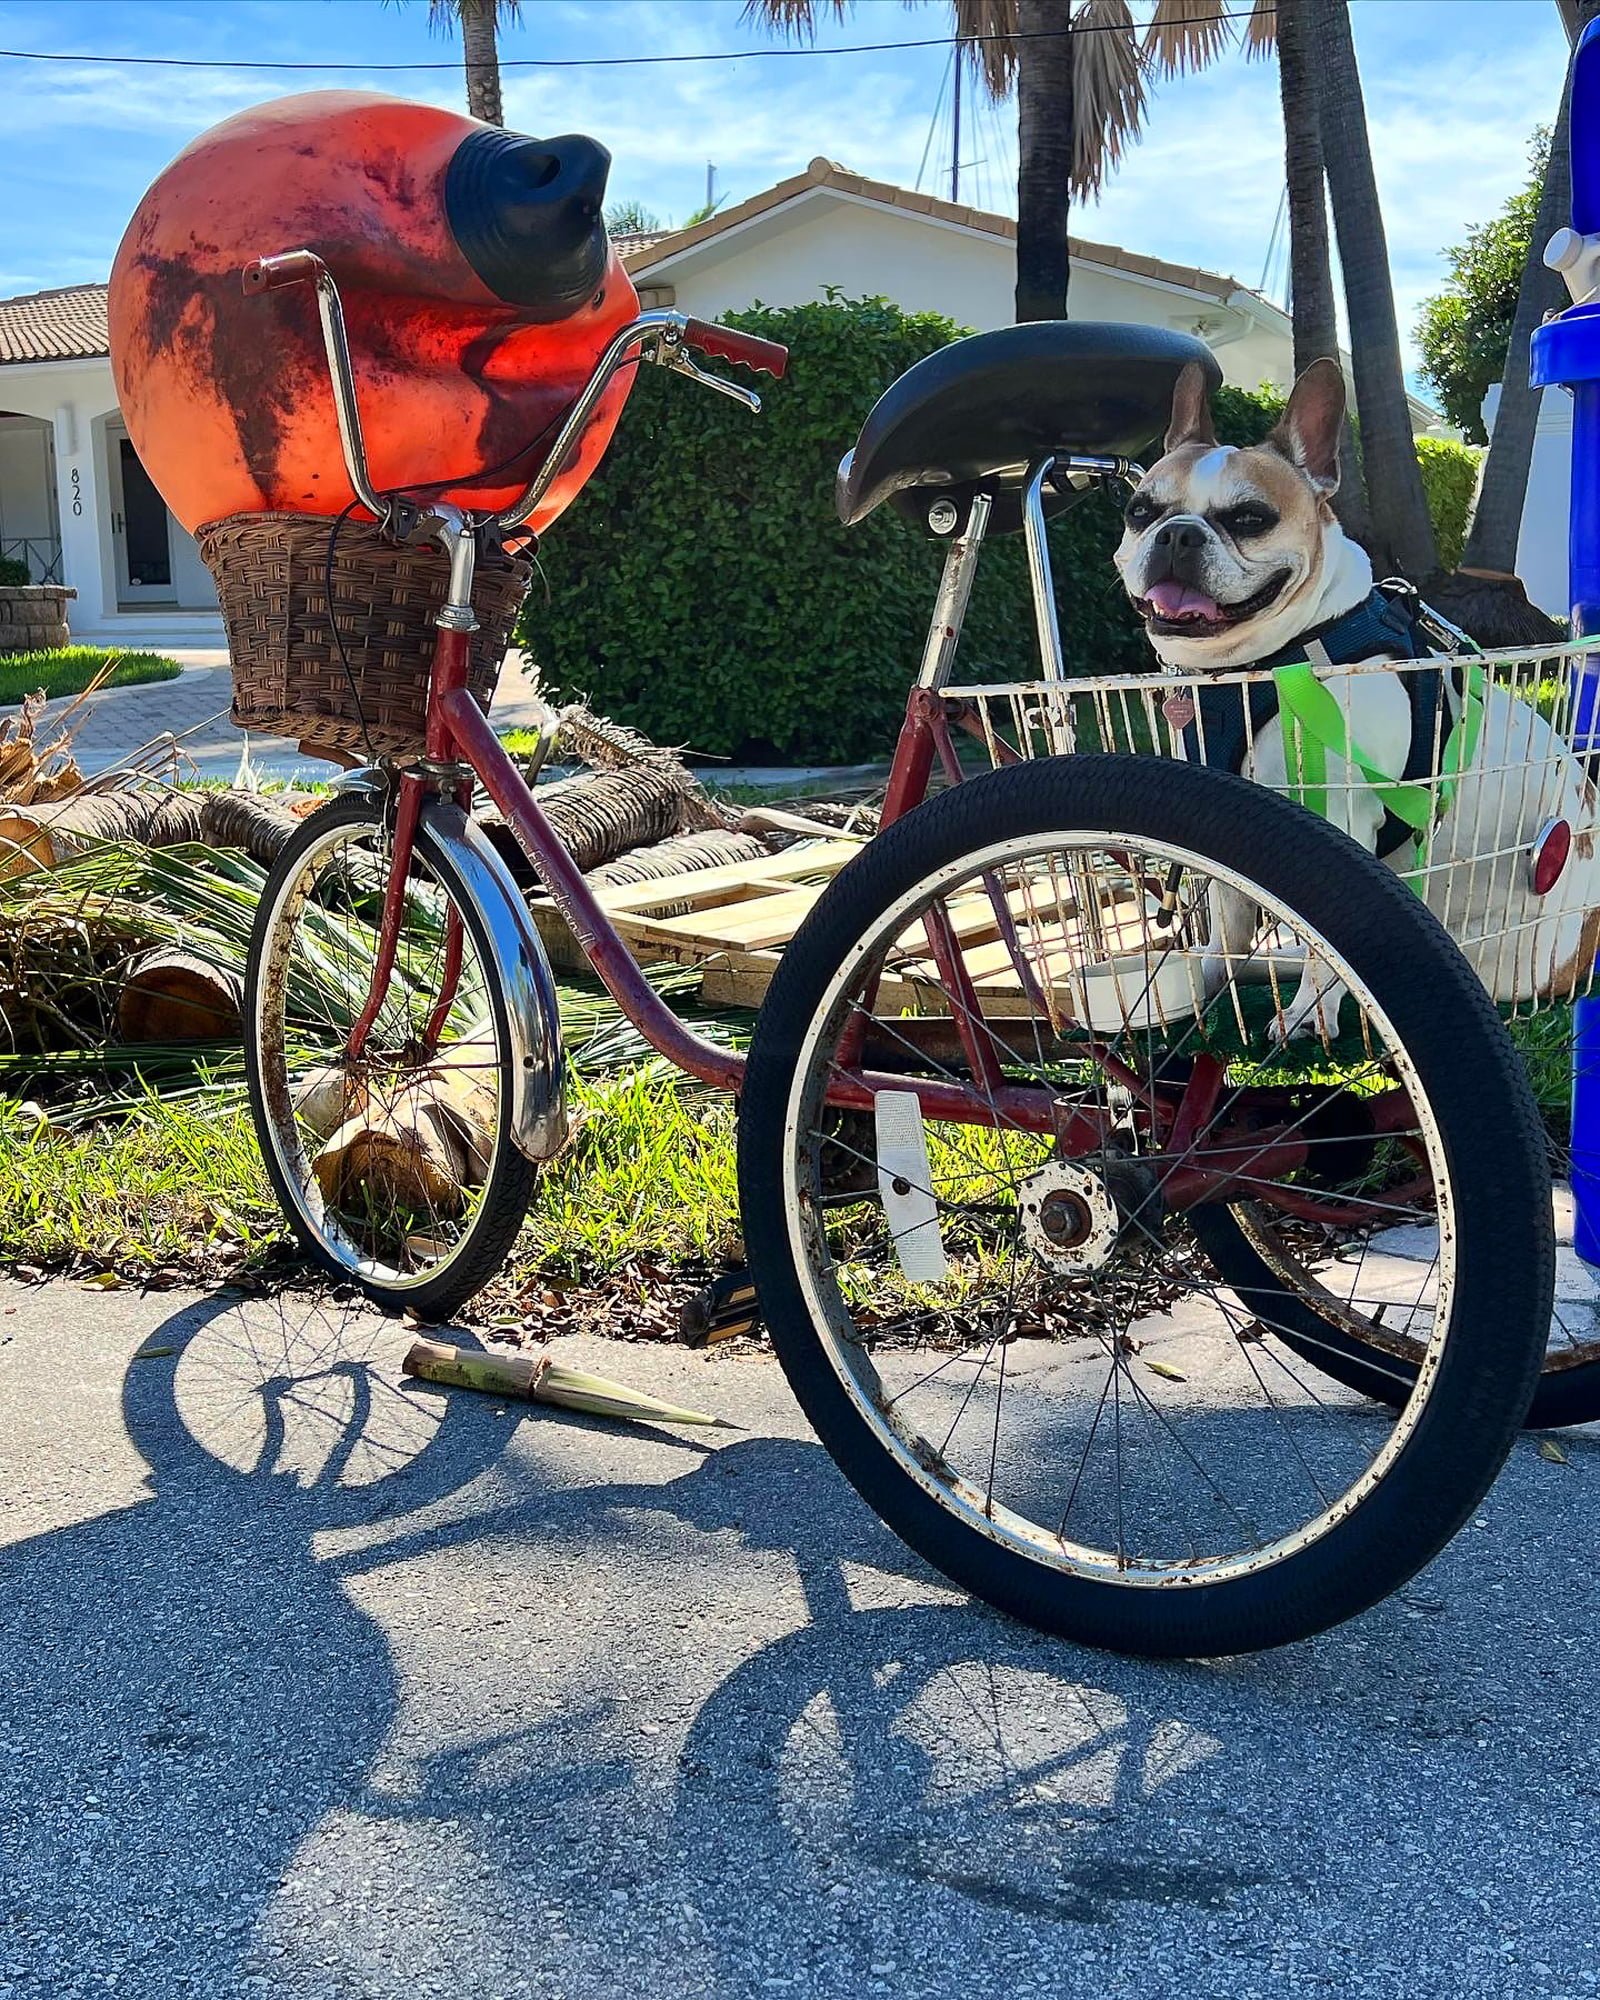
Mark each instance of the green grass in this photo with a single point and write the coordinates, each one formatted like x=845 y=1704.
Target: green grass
x=169 y=1187
x=171 y=1184
x=1545 y=1043
x=176 y=1186
x=61 y=670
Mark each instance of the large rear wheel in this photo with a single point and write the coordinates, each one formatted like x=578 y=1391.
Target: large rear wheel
x=1078 y=986
x=1315 y=1289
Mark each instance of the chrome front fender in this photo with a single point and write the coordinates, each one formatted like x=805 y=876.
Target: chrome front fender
x=538 y=1080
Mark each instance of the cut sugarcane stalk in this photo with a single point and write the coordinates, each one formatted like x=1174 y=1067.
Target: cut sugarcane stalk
x=465 y=1368
x=539 y=1379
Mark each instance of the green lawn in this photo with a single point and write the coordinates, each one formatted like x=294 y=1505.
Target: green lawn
x=176 y=1185
x=69 y=669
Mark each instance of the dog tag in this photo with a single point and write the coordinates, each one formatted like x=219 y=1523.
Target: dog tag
x=1178 y=710
x=905 y=1184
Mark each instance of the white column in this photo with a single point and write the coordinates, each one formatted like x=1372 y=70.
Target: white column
x=81 y=502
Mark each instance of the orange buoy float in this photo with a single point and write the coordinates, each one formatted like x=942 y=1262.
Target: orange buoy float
x=479 y=291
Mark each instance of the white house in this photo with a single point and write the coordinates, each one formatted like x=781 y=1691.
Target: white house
x=77 y=506
x=75 y=503
x=868 y=239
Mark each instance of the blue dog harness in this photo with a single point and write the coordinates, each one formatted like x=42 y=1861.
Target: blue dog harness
x=1387 y=622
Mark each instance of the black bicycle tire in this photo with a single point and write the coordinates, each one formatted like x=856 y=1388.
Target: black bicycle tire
x=1490 y=1132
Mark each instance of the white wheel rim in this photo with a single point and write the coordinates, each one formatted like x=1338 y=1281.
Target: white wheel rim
x=280 y=1128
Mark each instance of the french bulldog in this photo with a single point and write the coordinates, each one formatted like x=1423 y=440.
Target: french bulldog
x=1230 y=555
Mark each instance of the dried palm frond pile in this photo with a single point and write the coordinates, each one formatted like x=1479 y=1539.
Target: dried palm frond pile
x=74 y=936
x=101 y=943
x=36 y=769
x=632 y=794
x=126 y=902
x=31 y=773
x=48 y=832
x=679 y=854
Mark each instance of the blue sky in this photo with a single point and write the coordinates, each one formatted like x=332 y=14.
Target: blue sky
x=1454 y=87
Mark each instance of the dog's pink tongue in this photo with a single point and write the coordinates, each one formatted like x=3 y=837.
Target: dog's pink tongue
x=1173 y=599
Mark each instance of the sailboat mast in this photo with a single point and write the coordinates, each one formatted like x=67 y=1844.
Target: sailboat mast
x=955 y=135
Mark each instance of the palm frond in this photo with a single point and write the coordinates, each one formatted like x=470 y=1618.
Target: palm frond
x=794 y=20
x=444 y=16
x=1187 y=35
x=987 y=29
x=1108 y=91
x=1261 y=30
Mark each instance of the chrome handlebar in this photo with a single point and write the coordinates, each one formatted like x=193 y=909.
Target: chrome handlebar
x=662 y=339
x=667 y=328
x=298 y=267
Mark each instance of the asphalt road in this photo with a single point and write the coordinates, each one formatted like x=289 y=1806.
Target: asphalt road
x=317 y=1683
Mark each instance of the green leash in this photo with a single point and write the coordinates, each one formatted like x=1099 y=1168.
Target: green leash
x=1320 y=729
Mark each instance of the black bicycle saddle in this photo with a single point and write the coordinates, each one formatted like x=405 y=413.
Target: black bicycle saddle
x=972 y=417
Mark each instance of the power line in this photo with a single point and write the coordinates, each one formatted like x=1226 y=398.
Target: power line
x=596 y=62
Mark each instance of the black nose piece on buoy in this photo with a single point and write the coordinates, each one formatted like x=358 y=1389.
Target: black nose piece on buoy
x=527 y=214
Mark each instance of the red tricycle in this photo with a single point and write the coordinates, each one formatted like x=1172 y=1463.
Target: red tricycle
x=1137 y=1309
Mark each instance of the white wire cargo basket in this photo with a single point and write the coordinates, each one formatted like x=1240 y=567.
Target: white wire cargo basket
x=1497 y=833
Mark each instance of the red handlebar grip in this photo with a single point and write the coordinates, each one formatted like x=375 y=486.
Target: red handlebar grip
x=727 y=344
x=293 y=267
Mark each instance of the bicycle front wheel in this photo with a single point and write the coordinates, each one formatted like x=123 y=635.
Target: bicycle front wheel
x=395 y=1165
x=1079 y=990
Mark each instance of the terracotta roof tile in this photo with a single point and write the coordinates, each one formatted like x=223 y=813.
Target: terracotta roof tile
x=64 y=325
x=629 y=242
x=828 y=173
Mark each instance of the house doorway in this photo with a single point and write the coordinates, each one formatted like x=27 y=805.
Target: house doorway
x=140 y=530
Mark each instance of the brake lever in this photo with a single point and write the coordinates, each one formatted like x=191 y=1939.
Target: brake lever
x=680 y=364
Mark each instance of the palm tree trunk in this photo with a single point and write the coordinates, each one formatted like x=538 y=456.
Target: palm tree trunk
x=1502 y=491
x=1316 y=327
x=1044 y=157
x=481 y=58
x=1311 y=295
x=1402 y=533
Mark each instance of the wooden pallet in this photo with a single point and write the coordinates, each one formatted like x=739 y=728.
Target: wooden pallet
x=734 y=922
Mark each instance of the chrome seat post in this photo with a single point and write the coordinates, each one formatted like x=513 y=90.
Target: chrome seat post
x=955 y=587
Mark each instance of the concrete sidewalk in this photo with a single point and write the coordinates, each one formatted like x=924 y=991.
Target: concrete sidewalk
x=321 y=1684
x=194 y=708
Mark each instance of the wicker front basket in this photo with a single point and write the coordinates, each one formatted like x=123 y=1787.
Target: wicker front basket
x=272 y=575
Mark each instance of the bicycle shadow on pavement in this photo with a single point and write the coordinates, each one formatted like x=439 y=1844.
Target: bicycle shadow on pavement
x=189 y=1689
x=903 y=1791
x=385 y=1692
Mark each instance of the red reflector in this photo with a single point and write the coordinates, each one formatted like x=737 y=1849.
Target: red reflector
x=1548 y=856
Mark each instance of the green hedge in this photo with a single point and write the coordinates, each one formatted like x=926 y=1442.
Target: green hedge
x=13 y=570
x=1449 y=479
x=703 y=590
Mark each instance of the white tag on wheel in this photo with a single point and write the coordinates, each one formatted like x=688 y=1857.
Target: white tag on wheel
x=906 y=1186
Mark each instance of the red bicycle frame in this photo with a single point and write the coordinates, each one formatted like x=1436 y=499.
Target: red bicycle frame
x=1213 y=1156
x=1215 y=1160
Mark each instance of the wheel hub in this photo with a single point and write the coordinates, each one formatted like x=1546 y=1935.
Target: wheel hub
x=1068 y=1216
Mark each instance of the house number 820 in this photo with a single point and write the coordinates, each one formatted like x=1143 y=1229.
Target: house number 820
x=77 y=492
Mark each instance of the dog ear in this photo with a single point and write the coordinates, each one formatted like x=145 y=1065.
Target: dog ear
x=1311 y=429
x=1191 y=410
